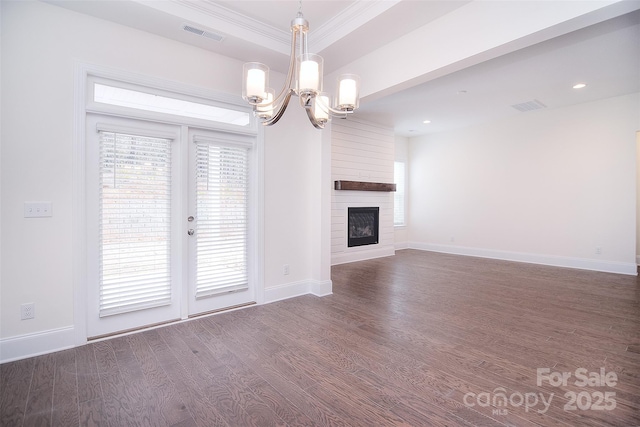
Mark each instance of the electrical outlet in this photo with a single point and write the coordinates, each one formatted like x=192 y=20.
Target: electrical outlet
x=598 y=250
x=285 y=269
x=28 y=311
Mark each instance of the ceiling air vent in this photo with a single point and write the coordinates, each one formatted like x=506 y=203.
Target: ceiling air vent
x=529 y=106
x=203 y=33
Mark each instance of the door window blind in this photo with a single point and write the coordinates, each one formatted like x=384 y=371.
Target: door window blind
x=221 y=204
x=135 y=218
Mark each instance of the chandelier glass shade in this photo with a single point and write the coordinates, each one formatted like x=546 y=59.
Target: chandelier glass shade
x=304 y=80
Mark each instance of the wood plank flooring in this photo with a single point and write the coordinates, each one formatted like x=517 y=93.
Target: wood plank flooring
x=419 y=339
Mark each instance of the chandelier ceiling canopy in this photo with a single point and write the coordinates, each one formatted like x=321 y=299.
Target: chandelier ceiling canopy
x=304 y=79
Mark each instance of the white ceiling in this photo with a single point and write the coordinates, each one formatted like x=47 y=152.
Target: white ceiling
x=606 y=55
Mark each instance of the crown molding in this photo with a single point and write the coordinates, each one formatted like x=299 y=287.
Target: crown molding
x=220 y=19
x=244 y=27
x=349 y=19
x=213 y=16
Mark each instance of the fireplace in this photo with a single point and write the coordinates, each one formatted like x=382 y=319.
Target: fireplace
x=363 y=226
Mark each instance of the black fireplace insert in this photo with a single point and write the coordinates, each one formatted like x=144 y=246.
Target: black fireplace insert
x=363 y=226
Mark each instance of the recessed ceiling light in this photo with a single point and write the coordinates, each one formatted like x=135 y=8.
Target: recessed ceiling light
x=579 y=85
x=426 y=122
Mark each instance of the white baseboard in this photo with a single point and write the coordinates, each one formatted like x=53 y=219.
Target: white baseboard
x=346 y=257
x=35 y=344
x=321 y=288
x=295 y=289
x=552 y=260
x=29 y=345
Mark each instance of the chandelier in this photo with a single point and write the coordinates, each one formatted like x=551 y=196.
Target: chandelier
x=304 y=79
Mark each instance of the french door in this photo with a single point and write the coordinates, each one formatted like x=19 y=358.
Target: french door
x=219 y=222
x=168 y=222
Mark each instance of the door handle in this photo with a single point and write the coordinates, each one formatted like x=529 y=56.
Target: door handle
x=191 y=231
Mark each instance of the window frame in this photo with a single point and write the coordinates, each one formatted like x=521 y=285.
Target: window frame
x=400 y=194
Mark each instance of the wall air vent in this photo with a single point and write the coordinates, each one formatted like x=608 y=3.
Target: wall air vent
x=204 y=33
x=529 y=106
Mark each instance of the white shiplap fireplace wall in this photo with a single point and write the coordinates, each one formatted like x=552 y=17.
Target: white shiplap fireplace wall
x=361 y=151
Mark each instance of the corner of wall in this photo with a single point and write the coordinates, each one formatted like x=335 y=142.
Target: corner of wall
x=318 y=288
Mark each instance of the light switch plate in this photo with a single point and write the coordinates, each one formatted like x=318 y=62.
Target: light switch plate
x=38 y=209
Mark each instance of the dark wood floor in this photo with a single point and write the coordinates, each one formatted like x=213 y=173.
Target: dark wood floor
x=419 y=339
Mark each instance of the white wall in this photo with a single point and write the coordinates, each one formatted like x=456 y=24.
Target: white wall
x=361 y=151
x=37 y=134
x=293 y=212
x=547 y=186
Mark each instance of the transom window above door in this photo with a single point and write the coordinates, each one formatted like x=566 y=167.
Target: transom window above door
x=151 y=102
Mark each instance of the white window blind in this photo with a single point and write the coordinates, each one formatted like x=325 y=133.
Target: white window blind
x=222 y=204
x=398 y=196
x=135 y=213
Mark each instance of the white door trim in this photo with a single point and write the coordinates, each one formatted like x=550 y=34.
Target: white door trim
x=82 y=71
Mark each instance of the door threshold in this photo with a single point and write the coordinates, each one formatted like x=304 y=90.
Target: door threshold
x=220 y=310
x=132 y=330
x=167 y=323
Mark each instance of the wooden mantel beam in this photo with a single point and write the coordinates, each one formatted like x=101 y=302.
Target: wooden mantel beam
x=364 y=186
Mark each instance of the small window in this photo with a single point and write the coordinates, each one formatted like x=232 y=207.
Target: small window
x=129 y=98
x=398 y=196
